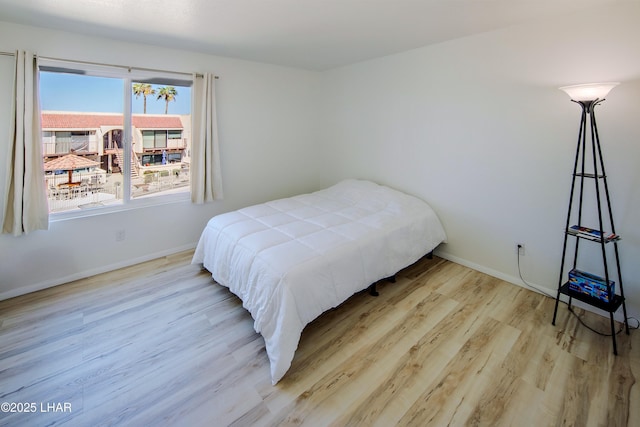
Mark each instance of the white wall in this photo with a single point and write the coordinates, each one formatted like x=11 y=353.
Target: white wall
x=477 y=127
x=267 y=119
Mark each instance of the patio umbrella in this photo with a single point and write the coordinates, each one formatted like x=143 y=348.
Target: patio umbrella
x=69 y=163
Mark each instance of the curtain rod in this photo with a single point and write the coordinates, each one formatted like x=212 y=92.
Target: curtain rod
x=111 y=65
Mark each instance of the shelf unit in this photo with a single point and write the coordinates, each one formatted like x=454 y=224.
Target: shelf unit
x=598 y=177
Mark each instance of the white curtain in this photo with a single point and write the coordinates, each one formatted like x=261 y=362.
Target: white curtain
x=206 y=178
x=25 y=201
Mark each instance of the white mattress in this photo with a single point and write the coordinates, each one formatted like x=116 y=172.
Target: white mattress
x=290 y=260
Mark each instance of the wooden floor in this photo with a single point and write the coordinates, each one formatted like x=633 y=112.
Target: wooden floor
x=162 y=344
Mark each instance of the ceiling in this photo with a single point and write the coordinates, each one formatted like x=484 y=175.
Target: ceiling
x=309 y=34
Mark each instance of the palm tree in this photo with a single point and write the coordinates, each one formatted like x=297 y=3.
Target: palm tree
x=145 y=90
x=168 y=93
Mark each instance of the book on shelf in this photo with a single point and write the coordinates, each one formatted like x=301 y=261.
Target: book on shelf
x=592 y=234
x=592 y=285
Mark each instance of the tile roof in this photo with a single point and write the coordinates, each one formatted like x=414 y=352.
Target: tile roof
x=94 y=120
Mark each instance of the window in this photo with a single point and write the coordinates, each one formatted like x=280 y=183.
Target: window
x=112 y=135
x=62 y=142
x=69 y=142
x=158 y=139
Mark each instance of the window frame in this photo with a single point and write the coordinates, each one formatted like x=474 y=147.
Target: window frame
x=129 y=76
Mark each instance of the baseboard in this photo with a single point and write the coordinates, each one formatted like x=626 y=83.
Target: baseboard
x=518 y=282
x=132 y=261
x=498 y=274
x=88 y=273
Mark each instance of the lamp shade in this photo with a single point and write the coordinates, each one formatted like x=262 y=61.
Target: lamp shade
x=590 y=91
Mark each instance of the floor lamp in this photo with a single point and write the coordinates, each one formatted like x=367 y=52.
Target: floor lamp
x=599 y=292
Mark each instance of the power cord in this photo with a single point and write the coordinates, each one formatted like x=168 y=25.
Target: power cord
x=528 y=284
x=570 y=308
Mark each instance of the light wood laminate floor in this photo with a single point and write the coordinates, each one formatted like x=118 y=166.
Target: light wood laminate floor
x=160 y=343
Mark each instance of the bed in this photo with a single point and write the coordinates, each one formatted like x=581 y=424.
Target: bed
x=290 y=260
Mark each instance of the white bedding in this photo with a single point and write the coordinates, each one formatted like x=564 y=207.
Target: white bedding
x=290 y=260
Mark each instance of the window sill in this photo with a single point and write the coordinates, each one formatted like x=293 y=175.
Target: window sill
x=141 y=203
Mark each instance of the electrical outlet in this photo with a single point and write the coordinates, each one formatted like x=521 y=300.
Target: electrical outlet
x=120 y=235
x=520 y=249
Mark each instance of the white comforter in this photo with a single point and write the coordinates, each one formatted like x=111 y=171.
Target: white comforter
x=290 y=260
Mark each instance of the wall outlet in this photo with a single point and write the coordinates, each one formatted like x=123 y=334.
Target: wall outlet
x=120 y=235
x=520 y=249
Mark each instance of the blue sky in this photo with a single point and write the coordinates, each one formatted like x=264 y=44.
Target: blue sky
x=72 y=92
